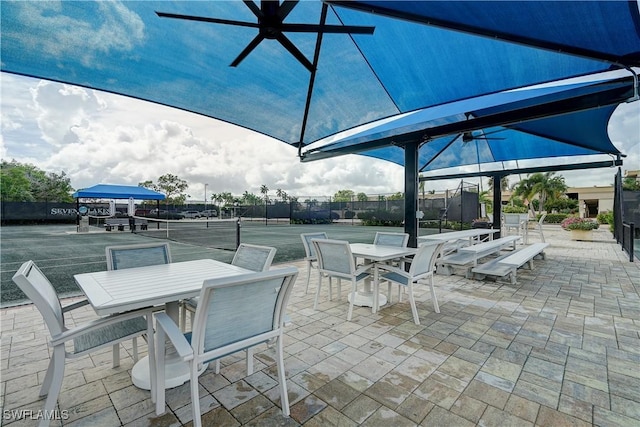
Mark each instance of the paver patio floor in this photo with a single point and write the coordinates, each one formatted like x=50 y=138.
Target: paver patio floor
x=561 y=347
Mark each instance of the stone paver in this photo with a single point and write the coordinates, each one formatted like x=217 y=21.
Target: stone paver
x=561 y=347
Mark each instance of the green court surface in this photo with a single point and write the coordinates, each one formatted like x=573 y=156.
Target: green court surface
x=61 y=252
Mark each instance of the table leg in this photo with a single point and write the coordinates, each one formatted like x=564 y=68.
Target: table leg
x=365 y=298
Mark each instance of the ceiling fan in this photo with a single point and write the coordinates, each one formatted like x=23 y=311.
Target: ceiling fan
x=271 y=15
x=470 y=136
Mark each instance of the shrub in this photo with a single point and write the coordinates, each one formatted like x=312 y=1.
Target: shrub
x=605 y=217
x=385 y=218
x=555 y=218
x=514 y=209
x=349 y=215
x=575 y=223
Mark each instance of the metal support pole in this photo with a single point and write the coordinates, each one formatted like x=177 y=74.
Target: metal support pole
x=497 y=202
x=411 y=192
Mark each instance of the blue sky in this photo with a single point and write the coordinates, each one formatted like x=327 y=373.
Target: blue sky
x=102 y=138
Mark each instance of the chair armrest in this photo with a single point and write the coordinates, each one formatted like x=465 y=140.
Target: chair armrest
x=393 y=269
x=363 y=268
x=89 y=327
x=75 y=305
x=177 y=338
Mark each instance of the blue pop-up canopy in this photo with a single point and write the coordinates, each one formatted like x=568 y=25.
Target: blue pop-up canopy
x=110 y=191
x=304 y=71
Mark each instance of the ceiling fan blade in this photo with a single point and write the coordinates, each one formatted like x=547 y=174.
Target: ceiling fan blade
x=247 y=50
x=205 y=19
x=269 y=7
x=286 y=7
x=336 y=29
x=254 y=8
x=294 y=51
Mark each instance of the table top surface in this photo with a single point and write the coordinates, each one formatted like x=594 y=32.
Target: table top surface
x=117 y=291
x=462 y=234
x=492 y=244
x=380 y=252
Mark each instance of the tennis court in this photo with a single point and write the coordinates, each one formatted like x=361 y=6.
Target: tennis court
x=61 y=252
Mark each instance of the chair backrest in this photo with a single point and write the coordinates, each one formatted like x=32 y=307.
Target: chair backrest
x=41 y=292
x=391 y=239
x=512 y=219
x=240 y=311
x=544 y=215
x=424 y=261
x=309 y=249
x=334 y=256
x=139 y=255
x=254 y=257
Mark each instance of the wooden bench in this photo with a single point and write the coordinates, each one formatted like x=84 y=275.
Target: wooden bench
x=468 y=256
x=507 y=265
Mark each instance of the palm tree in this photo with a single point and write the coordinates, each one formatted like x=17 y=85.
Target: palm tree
x=548 y=187
x=544 y=185
x=504 y=184
x=264 y=190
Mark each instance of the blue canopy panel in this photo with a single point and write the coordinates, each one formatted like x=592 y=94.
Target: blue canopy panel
x=568 y=118
x=125 y=48
x=582 y=28
x=108 y=191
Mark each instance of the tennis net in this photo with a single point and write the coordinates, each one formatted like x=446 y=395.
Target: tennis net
x=213 y=233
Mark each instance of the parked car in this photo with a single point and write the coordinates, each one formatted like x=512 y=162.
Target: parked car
x=209 y=213
x=191 y=214
x=164 y=214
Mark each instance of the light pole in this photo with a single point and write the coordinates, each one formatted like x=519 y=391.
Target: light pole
x=205 y=198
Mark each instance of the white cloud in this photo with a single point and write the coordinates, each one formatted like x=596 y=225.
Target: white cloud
x=102 y=138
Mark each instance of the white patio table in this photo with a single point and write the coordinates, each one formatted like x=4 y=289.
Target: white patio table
x=376 y=254
x=459 y=235
x=118 y=291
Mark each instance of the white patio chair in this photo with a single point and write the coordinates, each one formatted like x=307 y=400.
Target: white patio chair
x=233 y=314
x=513 y=222
x=138 y=255
x=86 y=338
x=538 y=228
x=335 y=259
x=310 y=253
x=252 y=257
x=392 y=239
x=422 y=268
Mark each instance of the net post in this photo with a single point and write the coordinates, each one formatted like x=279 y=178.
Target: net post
x=237 y=233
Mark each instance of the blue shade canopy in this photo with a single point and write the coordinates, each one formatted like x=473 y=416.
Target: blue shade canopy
x=108 y=191
x=404 y=66
x=606 y=30
x=565 y=118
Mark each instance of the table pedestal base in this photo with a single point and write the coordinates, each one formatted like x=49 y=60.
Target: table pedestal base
x=176 y=372
x=364 y=299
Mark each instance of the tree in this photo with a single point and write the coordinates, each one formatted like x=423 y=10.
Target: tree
x=282 y=195
x=250 y=199
x=630 y=184
x=343 y=196
x=397 y=196
x=504 y=184
x=362 y=197
x=545 y=186
x=265 y=192
x=172 y=186
x=27 y=183
x=15 y=185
